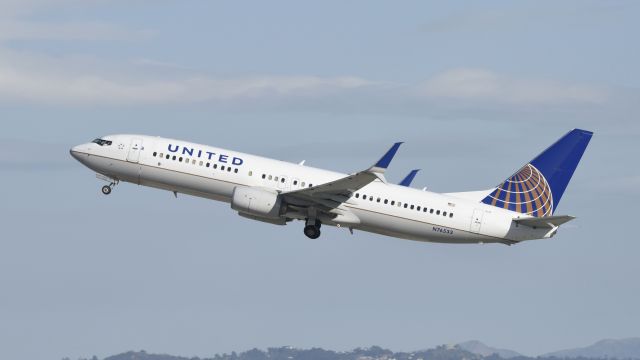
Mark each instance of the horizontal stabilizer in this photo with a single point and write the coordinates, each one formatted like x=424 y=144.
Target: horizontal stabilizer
x=544 y=222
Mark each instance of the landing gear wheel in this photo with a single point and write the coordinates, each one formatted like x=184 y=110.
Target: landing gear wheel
x=312 y=231
x=106 y=189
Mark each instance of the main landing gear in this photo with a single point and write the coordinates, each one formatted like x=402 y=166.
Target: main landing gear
x=312 y=229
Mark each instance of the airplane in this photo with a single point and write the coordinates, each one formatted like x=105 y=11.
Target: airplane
x=520 y=208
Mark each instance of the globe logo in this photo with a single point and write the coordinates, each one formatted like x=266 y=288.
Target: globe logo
x=526 y=192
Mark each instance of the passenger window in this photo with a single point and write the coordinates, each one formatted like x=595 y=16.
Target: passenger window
x=295 y=182
x=215 y=166
x=208 y=164
x=370 y=198
x=450 y=215
x=222 y=167
x=412 y=207
x=264 y=176
x=438 y=212
x=406 y=205
x=399 y=204
x=424 y=209
x=250 y=173
x=310 y=185
x=161 y=155
x=393 y=202
x=431 y=211
x=174 y=157
x=378 y=200
x=270 y=177
x=229 y=169
x=194 y=162
x=180 y=159
x=357 y=196
x=386 y=201
x=302 y=184
x=444 y=213
x=154 y=154
x=418 y=208
x=282 y=180
x=201 y=162
x=167 y=157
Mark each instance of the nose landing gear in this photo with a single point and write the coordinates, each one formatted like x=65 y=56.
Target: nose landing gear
x=107 y=188
x=312 y=229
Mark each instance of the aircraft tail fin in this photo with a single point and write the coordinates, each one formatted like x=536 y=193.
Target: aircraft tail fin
x=536 y=189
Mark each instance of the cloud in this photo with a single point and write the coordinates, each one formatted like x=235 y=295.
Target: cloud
x=44 y=84
x=72 y=81
x=15 y=23
x=471 y=84
x=27 y=30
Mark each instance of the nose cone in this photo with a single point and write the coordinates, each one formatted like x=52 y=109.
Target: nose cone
x=79 y=152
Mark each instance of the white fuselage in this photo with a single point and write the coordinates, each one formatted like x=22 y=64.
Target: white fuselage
x=382 y=208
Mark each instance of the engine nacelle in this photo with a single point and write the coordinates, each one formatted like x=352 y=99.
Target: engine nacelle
x=258 y=202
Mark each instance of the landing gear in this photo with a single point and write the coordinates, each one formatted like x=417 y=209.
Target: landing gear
x=312 y=229
x=106 y=189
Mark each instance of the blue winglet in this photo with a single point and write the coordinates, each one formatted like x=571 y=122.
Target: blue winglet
x=385 y=160
x=409 y=179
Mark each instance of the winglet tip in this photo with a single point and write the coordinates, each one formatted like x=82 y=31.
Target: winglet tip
x=385 y=160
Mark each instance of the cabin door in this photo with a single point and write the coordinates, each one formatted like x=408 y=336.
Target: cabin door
x=476 y=220
x=134 y=150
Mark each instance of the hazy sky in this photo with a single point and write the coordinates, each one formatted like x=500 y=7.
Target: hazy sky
x=475 y=89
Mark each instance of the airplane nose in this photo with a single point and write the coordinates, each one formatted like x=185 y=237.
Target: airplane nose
x=76 y=152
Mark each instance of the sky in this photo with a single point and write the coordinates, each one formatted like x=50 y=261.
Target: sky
x=474 y=89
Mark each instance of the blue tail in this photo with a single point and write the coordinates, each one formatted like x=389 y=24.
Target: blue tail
x=536 y=189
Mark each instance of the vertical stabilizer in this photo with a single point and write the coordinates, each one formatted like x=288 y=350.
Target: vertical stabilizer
x=536 y=189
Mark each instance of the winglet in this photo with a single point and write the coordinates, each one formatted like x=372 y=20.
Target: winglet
x=385 y=160
x=409 y=179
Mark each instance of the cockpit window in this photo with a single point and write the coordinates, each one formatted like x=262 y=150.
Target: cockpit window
x=102 y=142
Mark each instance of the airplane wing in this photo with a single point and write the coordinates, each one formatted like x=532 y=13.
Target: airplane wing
x=548 y=222
x=326 y=197
x=409 y=179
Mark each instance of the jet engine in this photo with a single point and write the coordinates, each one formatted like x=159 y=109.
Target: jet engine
x=262 y=203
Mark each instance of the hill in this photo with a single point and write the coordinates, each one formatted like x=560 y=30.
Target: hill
x=620 y=349
x=480 y=348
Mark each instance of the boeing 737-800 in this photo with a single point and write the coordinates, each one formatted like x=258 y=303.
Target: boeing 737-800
x=520 y=208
